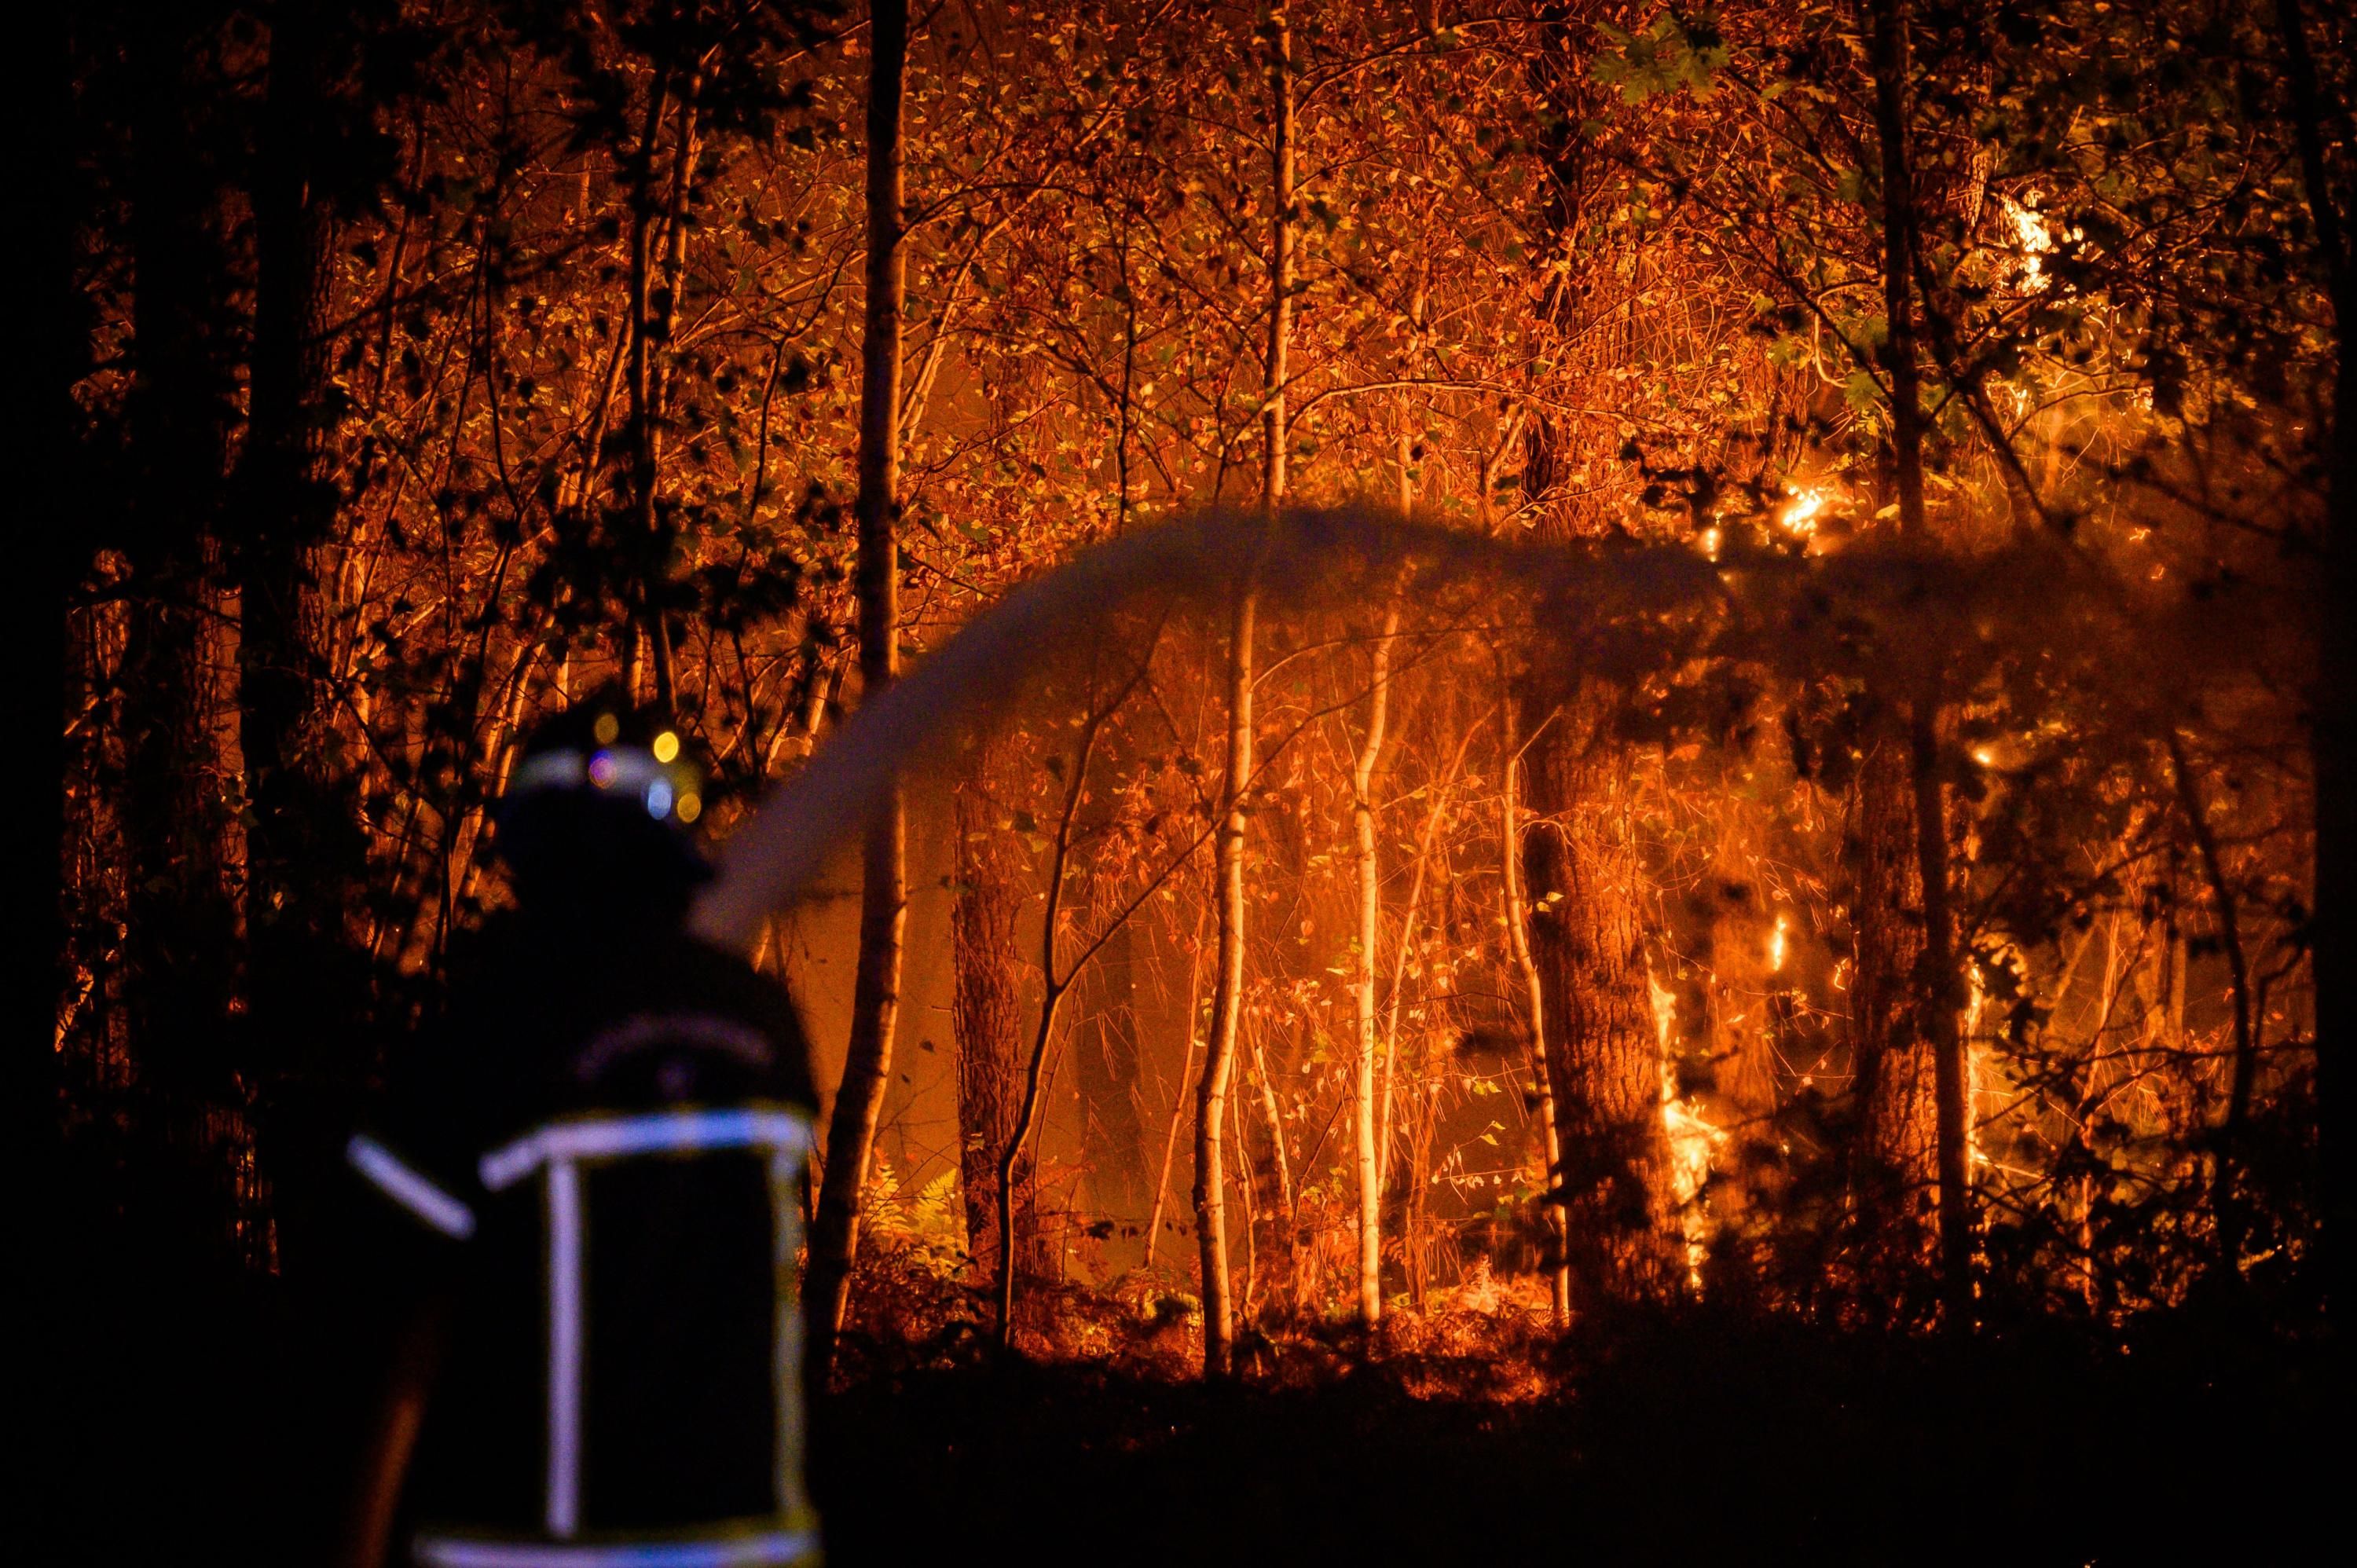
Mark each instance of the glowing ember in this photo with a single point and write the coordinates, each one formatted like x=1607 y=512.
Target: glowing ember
x=1799 y=515
x=2033 y=238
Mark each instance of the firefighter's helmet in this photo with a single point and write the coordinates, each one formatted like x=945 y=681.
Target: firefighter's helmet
x=601 y=805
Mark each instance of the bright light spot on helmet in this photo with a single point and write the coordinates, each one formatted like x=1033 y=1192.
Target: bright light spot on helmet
x=666 y=746
x=690 y=808
x=605 y=729
x=659 y=800
x=602 y=769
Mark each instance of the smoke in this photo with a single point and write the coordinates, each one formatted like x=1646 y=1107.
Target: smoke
x=1617 y=607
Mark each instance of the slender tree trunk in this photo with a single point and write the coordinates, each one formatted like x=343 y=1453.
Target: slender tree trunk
x=642 y=373
x=1942 y=987
x=1212 y=1097
x=1107 y=1077
x=1179 y=1097
x=1274 y=436
x=1533 y=998
x=2224 y=1199
x=1212 y=1093
x=1274 y=1210
x=1055 y=984
x=1403 y=945
x=1370 y=869
x=883 y=895
x=656 y=317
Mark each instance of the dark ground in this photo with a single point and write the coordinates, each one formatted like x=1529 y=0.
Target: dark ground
x=1691 y=1441
x=191 y=1427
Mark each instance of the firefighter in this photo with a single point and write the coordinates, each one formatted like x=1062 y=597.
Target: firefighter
x=594 y=1168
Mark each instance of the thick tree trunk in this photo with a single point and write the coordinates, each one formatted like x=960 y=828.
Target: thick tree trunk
x=883 y=895
x=1942 y=988
x=1532 y=993
x=306 y=966
x=1603 y=1052
x=1212 y=1092
x=2333 y=739
x=986 y=1021
x=1937 y=982
x=57 y=548
x=178 y=807
x=1894 y=1165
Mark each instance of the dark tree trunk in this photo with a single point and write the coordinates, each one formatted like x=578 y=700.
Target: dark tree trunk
x=1894 y=1165
x=1941 y=986
x=177 y=806
x=1531 y=990
x=1587 y=940
x=1749 y=1084
x=883 y=895
x=987 y=1019
x=305 y=852
x=2333 y=746
x=1937 y=991
x=56 y=547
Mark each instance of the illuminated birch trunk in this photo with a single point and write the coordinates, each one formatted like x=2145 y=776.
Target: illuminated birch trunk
x=1227 y=997
x=883 y=893
x=1274 y=434
x=1362 y=816
x=1212 y=1092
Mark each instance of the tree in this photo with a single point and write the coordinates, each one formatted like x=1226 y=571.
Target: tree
x=883 y=898
x=986 y=1011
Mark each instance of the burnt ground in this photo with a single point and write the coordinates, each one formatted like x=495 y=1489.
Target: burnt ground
x=168 y=1424
x=1684 y=1441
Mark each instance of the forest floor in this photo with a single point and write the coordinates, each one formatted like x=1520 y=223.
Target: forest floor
x=189 y=1427
x=1676 y=1441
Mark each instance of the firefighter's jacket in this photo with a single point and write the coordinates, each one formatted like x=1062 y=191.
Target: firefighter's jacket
x=610 y=1136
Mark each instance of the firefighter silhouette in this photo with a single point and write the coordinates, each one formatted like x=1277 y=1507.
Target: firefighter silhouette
x=599 y=1158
